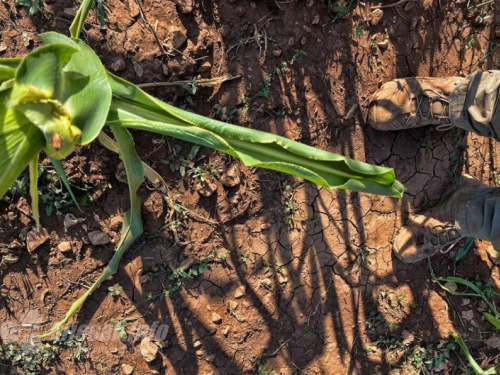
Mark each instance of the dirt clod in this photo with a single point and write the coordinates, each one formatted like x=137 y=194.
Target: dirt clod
x=71 y=220
x=205 y=188
x=119 y=65
x=376 y=17
x=149 y=350
x=216 y=318
x=97 y=238
x=468 y=315
x=176 y=37
x=36 y=238
x=493 y=342
x=127 y=369
x=64 y=247
x=240 y=292
x=139 y=71
x=232 y=176
x=451 y=286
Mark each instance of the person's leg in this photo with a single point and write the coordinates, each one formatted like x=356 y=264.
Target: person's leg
x=470 y=209
x=474 y=104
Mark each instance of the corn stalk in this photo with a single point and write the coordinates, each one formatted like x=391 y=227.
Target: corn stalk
x=60 y=96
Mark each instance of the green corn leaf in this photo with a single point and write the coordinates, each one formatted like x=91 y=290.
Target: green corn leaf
x=87 y=94
x=20 y=142
x=133 y=108
x=77 y=26
x=492 y=320
x=132 y=224
x=475 y=366
x=33 y=167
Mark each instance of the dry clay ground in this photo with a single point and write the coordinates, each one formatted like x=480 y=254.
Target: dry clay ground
x=300 y=279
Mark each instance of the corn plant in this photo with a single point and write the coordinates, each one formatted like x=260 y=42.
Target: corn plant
x=472 y=289
x=60 y=96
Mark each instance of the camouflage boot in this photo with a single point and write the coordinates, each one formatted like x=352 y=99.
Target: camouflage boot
x=438 y=229
x=412 y=102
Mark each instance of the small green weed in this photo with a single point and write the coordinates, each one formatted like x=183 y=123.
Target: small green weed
x=260 y=368
x=289 y=204
x=34 y=5
x=120 y=326
x=178 y=276
x=115 y=291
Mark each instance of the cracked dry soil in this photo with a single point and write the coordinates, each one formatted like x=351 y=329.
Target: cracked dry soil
x=306 y=283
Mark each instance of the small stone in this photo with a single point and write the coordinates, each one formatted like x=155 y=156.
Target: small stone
x=468 y=315
x=9 y=259
x=121 y=173
x=16 y=244
x=276 y=52
x=291 y=41
x=206 y=188
x=205 y=67
x=97 y=237
x=127 y=369
x=282 y=279
x=149 y=350
x=451 y=286
x=232 y=176
x=233 y=305
x=216 y=318
x=70 y=221
x=176 y=37
x=200 y=352
x=465 y=301
x=226 y=330
x=164 y=69
x=240 y=292
x=303 y=41
x=119 y=65
x=64 y=247
x=408 y=337
x=138 y=69
x=383 y=44
x=211 y=358
x=197 y=344
x=266 y=283
x=493 y=342
x=377 y=15
x=35 y=238
x=3 y=47
x=316 y=20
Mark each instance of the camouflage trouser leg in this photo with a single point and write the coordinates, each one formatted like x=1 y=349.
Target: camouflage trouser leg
x=474 y=106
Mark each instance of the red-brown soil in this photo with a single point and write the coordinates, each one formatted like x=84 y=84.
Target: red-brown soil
x=323 y=292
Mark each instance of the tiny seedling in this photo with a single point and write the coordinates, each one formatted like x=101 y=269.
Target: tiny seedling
x=120 y=326
x=115 y=291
